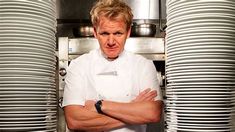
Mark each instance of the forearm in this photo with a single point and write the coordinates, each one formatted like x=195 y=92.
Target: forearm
x=78 y=118
x=134 y=112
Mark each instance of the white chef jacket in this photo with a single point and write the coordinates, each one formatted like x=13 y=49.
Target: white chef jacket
x=93 y=77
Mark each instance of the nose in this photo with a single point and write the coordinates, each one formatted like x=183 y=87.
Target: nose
x=111 y=40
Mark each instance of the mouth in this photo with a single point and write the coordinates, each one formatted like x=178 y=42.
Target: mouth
x=112 y=48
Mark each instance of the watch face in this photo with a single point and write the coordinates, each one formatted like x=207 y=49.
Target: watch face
x=98 y=105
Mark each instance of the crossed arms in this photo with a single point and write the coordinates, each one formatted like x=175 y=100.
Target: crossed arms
x=143 y=109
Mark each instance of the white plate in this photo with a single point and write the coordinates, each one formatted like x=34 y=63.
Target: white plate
x=49 y=82
x=200 y=87
x=200 y=38
x=31 y=87
x=27 y=69
x=28 y=40
x=26 y=123
x=201 y=49
x=199 y=73
x=197 y=102
x=49 y=112
x=199 y=126
x=30 y=66
x=31 y=44
x=198 y=111
x=205 y=108
x=27 y=118
x=25 y=31
x=201 y=35
x=51 y=40
x=197 y=130
x=194 y=95
x=199 y=118
x=196 y=5
x=38 y=3
x=205 y=84
x=200 y=22
x=199 y=53
x=29 y=25
x=50 y=20
x=203 y=24
x=25 y=72
x=28 y=20
x=28 y=6
x=183 y=104
x=39 y=64
x=222 y=114
x=6 y=106
x=206 y=80
x=26 y=96
x=27 y=53
x=197 y=21
x=207 y=41
x=38 y=45
x=198 y=122
x=26 y=60
x=26 y=92
x=50 y=127
x=204 y=77
x=190 y=30
x=199 y=64
x=28 y=99
x=29 y=102
x=28 y=108
x=18 y=21
x=27 y=10
x=216 y=61
x=28 y=86
x=207 y=67
x=200 y=90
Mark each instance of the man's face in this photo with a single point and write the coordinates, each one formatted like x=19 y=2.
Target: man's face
x=112 y=35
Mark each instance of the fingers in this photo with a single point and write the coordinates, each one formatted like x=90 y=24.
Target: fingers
x=146 y=95
x=150 y=95
x=145 y=91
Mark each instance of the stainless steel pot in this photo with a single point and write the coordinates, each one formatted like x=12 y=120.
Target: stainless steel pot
x=83 y=31
x=143 y=30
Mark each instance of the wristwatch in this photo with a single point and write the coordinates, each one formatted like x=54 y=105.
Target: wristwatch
x=98 y=105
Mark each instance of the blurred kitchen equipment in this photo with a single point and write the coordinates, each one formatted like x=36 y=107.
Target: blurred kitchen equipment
x=83 y=31
x=143 y=30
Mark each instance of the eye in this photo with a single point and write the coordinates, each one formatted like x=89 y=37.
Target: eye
x=104 y=33
x=118 y=34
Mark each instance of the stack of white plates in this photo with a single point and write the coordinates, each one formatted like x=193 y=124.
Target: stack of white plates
x=200 y=66
x=27 y=65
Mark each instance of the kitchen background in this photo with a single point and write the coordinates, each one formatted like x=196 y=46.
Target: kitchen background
x=74 y=32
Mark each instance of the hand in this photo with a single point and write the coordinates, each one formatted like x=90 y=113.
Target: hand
x=146 y=95
x=90 y=105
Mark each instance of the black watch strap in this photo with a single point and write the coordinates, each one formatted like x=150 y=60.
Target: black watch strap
x=98 y=105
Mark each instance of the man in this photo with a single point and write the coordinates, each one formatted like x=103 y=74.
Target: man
x=110 y=89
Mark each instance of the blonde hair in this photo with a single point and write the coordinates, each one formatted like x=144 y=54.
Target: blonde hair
x=111 y=9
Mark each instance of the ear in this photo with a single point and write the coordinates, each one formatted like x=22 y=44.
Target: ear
x=95 y=32
x=129 y=32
